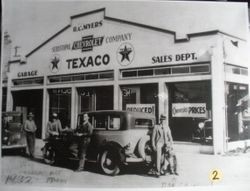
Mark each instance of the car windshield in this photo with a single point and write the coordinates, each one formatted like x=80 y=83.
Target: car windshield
x=143 y=123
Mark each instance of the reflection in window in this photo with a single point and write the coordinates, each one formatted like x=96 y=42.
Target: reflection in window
x=101 y=122
x=143 y=123
x=115 y=123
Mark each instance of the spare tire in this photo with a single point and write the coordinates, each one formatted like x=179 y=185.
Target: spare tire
x=144 y=148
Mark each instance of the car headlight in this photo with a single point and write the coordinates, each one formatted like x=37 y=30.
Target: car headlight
x=201 y=125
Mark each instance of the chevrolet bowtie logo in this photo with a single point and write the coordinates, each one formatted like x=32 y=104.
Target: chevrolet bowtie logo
x=87 y=43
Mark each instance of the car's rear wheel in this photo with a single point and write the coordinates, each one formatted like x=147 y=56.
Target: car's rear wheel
x=49 y=155
x=109 y=163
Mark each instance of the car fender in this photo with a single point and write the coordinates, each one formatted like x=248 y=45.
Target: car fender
x=113 y=147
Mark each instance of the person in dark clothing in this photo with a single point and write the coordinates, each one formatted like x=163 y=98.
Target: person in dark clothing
x=84 y=133
x=30 y=129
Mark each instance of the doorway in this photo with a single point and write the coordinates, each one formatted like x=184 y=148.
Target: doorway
x=26 y=101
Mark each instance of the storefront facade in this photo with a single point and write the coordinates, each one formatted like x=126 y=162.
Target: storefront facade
x=102 y=63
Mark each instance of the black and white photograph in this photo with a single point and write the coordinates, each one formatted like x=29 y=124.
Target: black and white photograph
x=125 y=95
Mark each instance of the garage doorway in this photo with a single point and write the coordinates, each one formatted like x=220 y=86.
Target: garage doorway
x=27 y=101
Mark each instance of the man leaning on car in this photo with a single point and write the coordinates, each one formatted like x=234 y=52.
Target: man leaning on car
x=84 y=133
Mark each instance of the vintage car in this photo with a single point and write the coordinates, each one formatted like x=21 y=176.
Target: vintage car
x=204 y=133
x=13 y=136
x=119 y=138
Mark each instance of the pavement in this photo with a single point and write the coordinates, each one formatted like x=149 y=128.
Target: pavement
x=195 y=170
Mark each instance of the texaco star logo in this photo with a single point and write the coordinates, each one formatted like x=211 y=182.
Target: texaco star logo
x=125 y=54
x=54 y=63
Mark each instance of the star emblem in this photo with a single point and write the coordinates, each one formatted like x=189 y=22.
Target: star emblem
x=125 y=53
x=54 y=63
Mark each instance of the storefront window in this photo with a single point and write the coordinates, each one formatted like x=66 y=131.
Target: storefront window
x=60 y=103
x=141 y=98
x=189 y=104
x=237 y=105
x=96 y=98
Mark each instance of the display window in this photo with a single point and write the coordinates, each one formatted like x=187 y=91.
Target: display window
x=60 y=103
x=190 y=105
x=237 y=107
x=142 y=98
x=95 y=98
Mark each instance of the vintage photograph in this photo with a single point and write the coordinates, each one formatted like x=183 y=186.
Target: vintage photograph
x=125 y=94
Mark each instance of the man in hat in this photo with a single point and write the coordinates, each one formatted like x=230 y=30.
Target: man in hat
x=30 y=129
x=54 y=128
x=161 y=137
x=84 y=133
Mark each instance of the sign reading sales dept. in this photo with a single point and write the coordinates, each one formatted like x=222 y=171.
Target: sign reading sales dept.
x=146 y=108
x=189 y=110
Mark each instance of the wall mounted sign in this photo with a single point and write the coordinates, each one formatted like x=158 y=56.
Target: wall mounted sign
x=54 y=64
x=61 y=91
x=87 y=43
x=145 y=108
x=126 y=92
x=189 y=110
x=118 y=38
x=174 y=58
x=27 y=73
x=88 y=61
x=61 y=48
x=81 y=27
x=125 y=54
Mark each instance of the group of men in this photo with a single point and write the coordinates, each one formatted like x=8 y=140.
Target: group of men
x=163 y=158
x=54 y=128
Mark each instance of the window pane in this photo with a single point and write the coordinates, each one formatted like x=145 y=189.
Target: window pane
x=126 y=74
x=162 y=71
x=78 y=77
x=145 y=73
x=115 y=123
x=180 y=70
x=143 y=123
x=198 y=69
x=107 y=75
x=91 y=76
x=101 y=122
x=244 y=72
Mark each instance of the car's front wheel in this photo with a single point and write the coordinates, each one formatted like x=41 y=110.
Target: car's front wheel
x=109 y=162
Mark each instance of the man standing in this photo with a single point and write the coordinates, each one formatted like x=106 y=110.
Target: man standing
x=54 y=128
x=30 y=129
x=161 y=137
x=84 y=133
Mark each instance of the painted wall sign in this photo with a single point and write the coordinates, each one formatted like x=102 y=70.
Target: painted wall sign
x=87 y=43
x=189 y=110
x=89 y=61
x=92 y=25
x=61 y=48
x=126 y=92
x=171 y=58
x=54 y=64
x=62 y=91
x=27 y=74
x=118 y=38
x=145 y=108
x=125 y=54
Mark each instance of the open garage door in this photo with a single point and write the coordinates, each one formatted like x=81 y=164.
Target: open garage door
x=30 y=101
